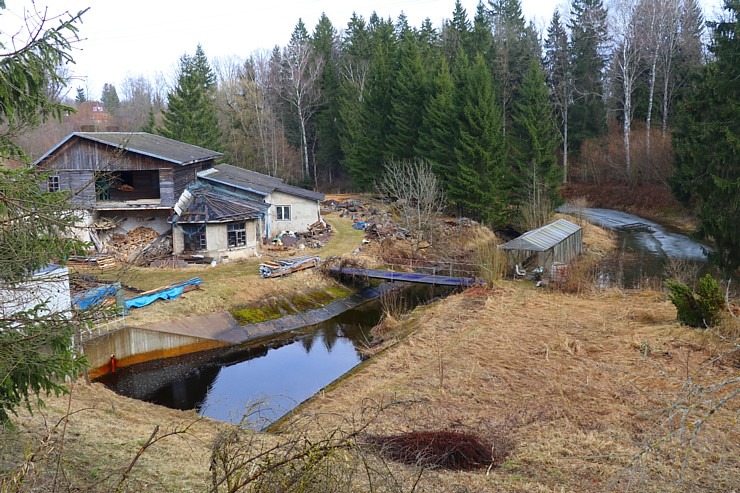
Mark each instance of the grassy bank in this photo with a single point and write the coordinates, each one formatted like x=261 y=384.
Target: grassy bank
x=236 y=285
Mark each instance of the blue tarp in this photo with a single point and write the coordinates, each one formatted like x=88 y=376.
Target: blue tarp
x=170 y=293
x=93 y=296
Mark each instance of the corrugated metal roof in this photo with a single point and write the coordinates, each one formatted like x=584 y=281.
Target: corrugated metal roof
x=147 y=144
x=251 y=181
x=543 y=238
x=207 y=205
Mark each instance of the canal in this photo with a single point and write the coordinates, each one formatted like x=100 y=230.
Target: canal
x=266 y=379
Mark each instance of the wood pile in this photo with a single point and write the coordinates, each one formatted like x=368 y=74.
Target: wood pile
x=139 y=246
x=100 y=261
x=283 y=267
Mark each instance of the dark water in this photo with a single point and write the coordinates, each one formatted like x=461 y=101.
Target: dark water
x=266 y=380
x=645 y=247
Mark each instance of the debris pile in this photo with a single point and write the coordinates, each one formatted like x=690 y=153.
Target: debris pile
x=317 y=236
x=139 y=246
x=444 y=449
x=284 y=266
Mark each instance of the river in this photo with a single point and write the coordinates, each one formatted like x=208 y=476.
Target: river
x=644 y=246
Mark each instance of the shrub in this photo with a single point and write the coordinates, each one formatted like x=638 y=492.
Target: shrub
x=700 y=309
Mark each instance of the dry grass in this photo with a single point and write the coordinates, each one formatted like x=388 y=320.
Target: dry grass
x=578 y=382
x=101 y=438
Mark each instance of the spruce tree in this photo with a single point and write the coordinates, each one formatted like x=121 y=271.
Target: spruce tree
x=373 y=125
x=559 y=79
x=191 y=114
x=588 y=40
x=439 y=128
x=707 y=143
x=480 y=182
x=409 y=91
x=109 y=98
x=536 y=174
x=328 y=153
x=354 y=68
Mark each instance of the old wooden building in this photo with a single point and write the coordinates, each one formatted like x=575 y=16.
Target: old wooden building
x=130 y=178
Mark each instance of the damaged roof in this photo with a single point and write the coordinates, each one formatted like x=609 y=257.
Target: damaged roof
x=144 y=143
x=254 y=182
x=543 y=238
x=201 y=204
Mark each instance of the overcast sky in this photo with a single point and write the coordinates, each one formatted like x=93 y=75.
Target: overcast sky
x=136 y=37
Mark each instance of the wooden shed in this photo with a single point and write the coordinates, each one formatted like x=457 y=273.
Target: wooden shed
x=556 y=243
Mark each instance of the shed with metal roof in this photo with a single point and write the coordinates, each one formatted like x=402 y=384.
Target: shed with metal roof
x=558 y=242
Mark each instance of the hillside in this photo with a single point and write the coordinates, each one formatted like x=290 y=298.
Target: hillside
x=576 y=392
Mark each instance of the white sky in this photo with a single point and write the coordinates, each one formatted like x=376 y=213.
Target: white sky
x=136 y=37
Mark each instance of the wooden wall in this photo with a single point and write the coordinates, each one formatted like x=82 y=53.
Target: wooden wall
x=79 y=159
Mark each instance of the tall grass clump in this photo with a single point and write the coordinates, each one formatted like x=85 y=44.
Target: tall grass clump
x=491 y=261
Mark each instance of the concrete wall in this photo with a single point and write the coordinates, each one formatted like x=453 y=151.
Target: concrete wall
x=303 y=213
x=217 y=241
x=131 y=345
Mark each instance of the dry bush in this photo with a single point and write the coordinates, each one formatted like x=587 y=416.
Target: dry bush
x=682 y=270
x=580 y=278
x=451 y=450
x=602 y=160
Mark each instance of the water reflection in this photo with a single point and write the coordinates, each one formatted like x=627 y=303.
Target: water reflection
x=268 y=380
x=645 y=246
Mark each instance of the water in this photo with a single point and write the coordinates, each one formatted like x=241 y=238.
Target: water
x=645 y=246
x=265 y=381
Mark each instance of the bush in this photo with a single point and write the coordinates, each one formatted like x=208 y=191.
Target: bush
x=700 y=309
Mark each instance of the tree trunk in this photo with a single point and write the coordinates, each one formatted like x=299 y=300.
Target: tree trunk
x=651 y=93
x=565 y=144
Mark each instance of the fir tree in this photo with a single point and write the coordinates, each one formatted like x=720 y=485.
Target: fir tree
x=588 y=39
x=479 y=183
x=191 y=114
x=536 y=173
x=707 y=143
x=109 y=98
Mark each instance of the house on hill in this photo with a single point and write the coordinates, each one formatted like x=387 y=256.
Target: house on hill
x=231 y=210
x=130 y=179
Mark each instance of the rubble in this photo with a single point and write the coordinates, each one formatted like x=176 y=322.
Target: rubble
x=139 y=246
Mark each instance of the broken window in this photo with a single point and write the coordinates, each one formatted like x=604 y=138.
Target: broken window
x=236 y=234
x=194 y=236
x=128 y=185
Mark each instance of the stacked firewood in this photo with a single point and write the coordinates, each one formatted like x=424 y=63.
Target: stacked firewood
x=139 y=246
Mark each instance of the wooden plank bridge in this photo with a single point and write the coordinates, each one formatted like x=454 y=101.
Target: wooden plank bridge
x=406 y=276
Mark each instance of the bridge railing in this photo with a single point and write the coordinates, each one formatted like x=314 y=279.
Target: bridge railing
x=437 y=268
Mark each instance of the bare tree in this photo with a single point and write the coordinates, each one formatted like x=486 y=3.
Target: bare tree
x=627 y=66
x=418 y=195
x=302 y=70
x=657 y=27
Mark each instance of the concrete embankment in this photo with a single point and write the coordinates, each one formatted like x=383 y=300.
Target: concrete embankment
x=187 y=335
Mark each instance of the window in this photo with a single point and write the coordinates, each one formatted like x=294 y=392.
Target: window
x=236 y=234
x=282 y=212
x=194 y=237
x=53 y=184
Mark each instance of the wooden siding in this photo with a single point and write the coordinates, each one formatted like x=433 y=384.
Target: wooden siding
x=78 y=160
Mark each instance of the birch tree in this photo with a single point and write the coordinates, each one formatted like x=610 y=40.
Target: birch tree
x=302 y=70
x=627 y=68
